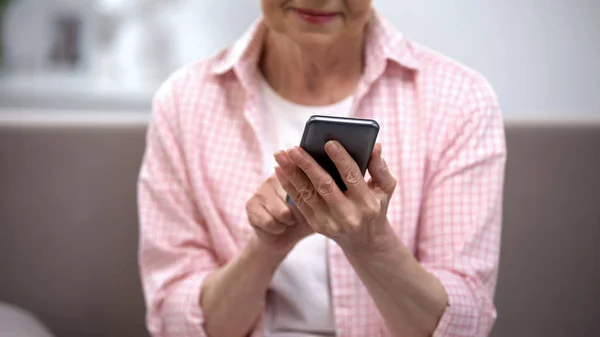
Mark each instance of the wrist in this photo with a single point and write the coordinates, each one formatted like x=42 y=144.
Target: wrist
x=266 y=258
x=374 y=246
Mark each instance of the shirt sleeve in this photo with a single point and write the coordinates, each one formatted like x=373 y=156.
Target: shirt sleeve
x=460 y=226
x=174 y=254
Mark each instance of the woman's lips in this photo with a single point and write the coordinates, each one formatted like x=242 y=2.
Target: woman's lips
x=315 y=17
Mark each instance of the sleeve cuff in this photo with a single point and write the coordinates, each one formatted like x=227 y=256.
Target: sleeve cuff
x=461 y=315
x=182 y=314
x=195 y=313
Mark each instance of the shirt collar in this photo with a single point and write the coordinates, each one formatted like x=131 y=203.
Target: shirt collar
x=383 y=43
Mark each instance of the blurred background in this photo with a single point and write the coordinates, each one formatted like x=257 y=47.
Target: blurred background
x=76 y=82
x=541 y=56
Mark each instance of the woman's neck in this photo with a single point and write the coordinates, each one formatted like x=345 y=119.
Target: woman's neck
x=312 y=75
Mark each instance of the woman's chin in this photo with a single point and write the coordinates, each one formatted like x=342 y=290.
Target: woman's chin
x=311 y=38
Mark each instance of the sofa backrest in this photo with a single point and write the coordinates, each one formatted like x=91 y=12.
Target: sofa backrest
x=549 y=281
x=68 y=228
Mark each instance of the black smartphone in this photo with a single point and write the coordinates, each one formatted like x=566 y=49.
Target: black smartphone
x=357 y=136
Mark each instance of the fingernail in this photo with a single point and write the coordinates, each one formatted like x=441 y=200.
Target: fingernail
x=331 y=146
x=295 y=153
x=280 y=158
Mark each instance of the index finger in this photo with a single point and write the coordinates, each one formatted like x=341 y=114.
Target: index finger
x=291 y=216
x=322 y=182
x=348 y=169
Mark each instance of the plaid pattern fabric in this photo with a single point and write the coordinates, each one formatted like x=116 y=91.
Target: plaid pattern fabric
x=443 y=137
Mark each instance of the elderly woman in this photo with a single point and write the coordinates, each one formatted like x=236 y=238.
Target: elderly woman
x=409 y=250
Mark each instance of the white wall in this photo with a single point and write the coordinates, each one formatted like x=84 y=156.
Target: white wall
x=542 y=56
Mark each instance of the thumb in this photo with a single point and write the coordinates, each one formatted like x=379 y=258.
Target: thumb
x=381 y=176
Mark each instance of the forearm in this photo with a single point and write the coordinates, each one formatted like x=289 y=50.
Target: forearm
x=232 y=297
x=410 y=299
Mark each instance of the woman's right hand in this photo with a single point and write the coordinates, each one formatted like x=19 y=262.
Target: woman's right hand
x=237 y=290
x=277 y=224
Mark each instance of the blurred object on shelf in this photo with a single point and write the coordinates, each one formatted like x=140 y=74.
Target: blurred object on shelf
x=132 y=45
x=116 y=41
x=69 y=53
x=46 y=36
x=66 y=50
x=104 y=65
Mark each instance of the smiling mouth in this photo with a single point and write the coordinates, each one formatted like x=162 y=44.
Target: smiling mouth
x=314 y=16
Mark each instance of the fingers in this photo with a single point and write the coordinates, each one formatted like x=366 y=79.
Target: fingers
x=323 y=183
x=381 y=176
x=268 y=210
x=295 y=182
x=348 y=169
x=305 y=196
x=260 y=218
x=301 y=208
x=316 y=219
x=310 y=183
x=275 y=203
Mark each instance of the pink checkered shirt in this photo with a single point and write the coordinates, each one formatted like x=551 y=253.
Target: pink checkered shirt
x=443 y=138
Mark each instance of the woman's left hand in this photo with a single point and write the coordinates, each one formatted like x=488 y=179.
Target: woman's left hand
x=355 y=219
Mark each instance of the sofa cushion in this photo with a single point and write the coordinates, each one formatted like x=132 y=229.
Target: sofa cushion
x=16 y=322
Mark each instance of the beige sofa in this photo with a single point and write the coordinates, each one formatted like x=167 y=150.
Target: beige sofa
x=68 y=228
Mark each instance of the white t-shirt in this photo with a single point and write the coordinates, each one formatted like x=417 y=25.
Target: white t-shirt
x=299 y=298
